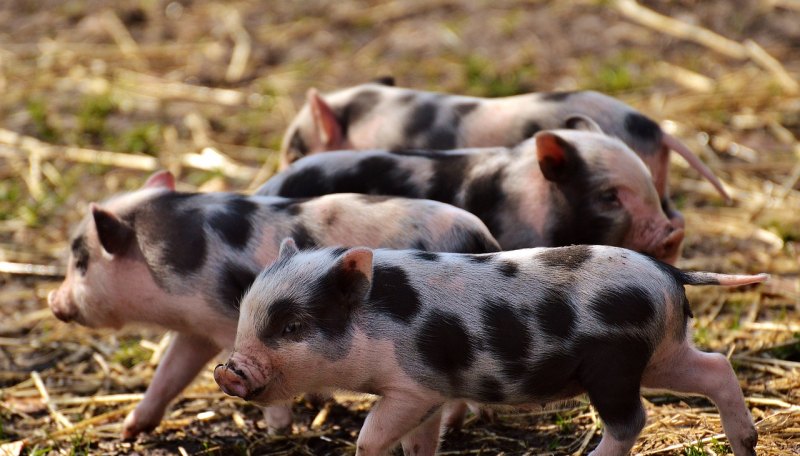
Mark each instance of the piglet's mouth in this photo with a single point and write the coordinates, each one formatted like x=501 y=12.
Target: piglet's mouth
x=233 y=382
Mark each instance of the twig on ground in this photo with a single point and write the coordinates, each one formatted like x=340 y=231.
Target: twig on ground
x=31 y=269
x=60 y=419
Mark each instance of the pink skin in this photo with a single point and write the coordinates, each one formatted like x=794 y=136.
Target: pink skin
x=119 y=289
x=651 y=231
x=265 y=375
x=487 y=127
x=410 y=413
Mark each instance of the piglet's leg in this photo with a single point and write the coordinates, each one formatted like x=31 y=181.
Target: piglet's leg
x=689 y=370
x=184 y=358
x=391 y=418
x=454 y=414
x=424 y=440
x=278 y=417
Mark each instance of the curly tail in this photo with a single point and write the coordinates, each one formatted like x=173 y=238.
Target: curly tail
x=712 y=278
x=694 y=161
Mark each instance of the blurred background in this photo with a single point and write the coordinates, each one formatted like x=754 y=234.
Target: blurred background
x=97 y=95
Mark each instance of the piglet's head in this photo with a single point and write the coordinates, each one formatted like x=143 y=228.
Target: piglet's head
x=316 y=128
x=602 y=193
x=298 y=315
x=101 y=274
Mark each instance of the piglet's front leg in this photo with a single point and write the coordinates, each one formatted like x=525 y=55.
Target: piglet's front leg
x=184 y=358
x=394 y=416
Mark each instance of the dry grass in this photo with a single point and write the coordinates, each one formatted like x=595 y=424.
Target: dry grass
x=94 y=98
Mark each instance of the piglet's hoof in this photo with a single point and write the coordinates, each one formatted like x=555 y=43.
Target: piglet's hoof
x=135 y=425
x=278 y=419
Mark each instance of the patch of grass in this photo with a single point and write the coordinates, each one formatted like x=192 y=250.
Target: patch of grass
x=130 y=353
x=484 y=80
x=40 y=451
x=142 y=138
x=92 y=115
x=79 y=446
x=720 y=447
x=41 y=121
x=10 y=193
x=616 y=74
x=564 y=423
x=701 y=336
x=694 y=450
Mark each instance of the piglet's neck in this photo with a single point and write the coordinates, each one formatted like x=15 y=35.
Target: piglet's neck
x=144 y=301
x=533 y=195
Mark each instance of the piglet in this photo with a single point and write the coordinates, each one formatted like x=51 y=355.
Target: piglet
x=517 y=328
x=380 y=116
x=561 y=187
x=182 y=261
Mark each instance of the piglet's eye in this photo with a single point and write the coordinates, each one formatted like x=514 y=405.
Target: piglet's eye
x=609 y=197
x=291 y=328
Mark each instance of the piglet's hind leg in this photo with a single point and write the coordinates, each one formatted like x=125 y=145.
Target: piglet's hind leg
x=611 y=373
x=689 y=370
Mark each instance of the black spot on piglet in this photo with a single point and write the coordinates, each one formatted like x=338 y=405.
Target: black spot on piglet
x=427 y=256
x=303 y=238
x=490 y=390
x=642 y=128
x=306 y=182
x=571 y=258
x=393 y=294
x=629 y=305
x=80 y=252
x=444 y=344
x=555 y=313
x=420 y=120
x=508 y=268
x=233 y=223
x=507 y=335
x=234 y=280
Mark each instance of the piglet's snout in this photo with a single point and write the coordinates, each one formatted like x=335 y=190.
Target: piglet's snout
x=57 y=306
x=671 y=245
x=231 y=380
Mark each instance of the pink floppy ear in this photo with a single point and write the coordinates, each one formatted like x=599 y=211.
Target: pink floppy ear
x=288 y=248
x=556 y=156
x=581 y=122
x=115 y=234
x=160 y=179
x=325 y=122
x=353 y=273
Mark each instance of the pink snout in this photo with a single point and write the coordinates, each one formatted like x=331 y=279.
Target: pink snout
x=231 y=380
x=670 y=247
x=62 y=311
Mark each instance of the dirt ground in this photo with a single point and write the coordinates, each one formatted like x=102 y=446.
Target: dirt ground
x=97 y=95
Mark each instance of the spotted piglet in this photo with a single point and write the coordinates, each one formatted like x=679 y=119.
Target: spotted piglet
x=518 y=327
x=181 y=261
x=559 y=188
x=379 y=116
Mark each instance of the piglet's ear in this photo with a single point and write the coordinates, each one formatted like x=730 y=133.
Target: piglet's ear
x=161 y=179
x=385 y=80
x=288 y=248
x=581 y=122
x=353 y=273
x=557 y=157
x=115 y=235
x=325 y=122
